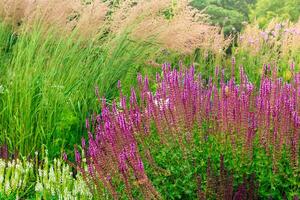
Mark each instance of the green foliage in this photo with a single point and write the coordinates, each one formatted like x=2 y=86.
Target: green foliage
x=229 y=14
x=47 y=87
x=175 y=170
x=266 y=10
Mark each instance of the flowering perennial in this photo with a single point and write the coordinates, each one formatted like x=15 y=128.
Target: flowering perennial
x=232 y=111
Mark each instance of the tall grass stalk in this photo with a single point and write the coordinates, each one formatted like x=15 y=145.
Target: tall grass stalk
x=47 y=83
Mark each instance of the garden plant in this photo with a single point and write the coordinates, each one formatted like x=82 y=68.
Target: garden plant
x=150 y=99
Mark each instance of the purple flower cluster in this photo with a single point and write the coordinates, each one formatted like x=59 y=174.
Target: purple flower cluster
x=112 y=151
x=183 y=100
x=238 y=111
x=4 y=152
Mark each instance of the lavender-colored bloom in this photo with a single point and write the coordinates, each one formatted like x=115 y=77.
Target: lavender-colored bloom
x=77 y=156
x=65 y=157
x=132 y=150
x=140 y=78
x=157 y=78
x=91 y=170
x=122 y=162
x=92 y=148
x=264 y=35
x=140 y=165
x=87 y=124
x=133 y=97
x=83 y=144
x=108 y=177
x=292 y=66
x=278 y=26
x=123 y=102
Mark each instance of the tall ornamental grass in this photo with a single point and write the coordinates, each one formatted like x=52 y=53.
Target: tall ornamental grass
x=55 y=52
x=46 y=82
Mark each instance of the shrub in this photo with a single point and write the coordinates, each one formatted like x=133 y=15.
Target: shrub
x=265 y=11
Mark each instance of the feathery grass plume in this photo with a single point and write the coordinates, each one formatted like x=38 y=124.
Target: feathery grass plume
x=174 y=24
x=13 y=11
x=68 y=15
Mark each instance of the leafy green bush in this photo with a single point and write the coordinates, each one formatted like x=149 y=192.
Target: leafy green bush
x=266 y=10
x=228 y=14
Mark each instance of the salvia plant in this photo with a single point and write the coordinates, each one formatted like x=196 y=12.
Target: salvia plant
x=184 y=114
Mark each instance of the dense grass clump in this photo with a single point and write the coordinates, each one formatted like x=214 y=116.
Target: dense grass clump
x=47 y=80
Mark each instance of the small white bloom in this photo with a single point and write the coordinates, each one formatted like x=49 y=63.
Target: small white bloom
x=1 y=89
x=39 y=187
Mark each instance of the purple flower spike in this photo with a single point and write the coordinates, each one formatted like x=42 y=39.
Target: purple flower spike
x=182 y=101
x=65 y=157
x=293 y=66
x=140 y=79
x=77 y=156
x=87 y=124
x=122 y=162
x=141 y=165
x=83 y=144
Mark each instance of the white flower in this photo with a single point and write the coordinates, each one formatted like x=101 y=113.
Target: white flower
x=7 y=187
x=2 y=170
x=52 y=180
x=39 y=187
x=1 y=89
x=161 y=103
